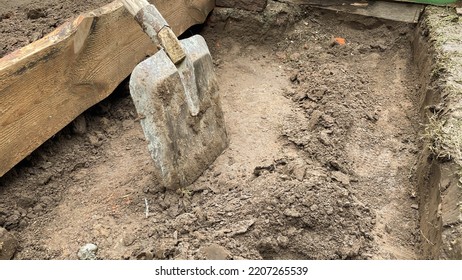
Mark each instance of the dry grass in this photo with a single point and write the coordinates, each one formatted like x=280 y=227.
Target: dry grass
x=444 y=137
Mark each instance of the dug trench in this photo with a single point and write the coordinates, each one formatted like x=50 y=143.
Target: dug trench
x=321 y=163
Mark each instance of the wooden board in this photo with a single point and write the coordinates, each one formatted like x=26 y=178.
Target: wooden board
x=47 y=84
x=430 y=2
x=404 y=12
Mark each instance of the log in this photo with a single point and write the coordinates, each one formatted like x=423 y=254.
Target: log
x=47 y=84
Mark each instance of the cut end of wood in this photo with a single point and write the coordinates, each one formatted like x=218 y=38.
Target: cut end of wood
x=171 y=45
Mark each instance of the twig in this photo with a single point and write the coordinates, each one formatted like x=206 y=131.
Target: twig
x=426 y=239
x=147 y=208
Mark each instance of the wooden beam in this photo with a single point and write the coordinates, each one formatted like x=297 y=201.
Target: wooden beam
x=400 y=11
x=47 y=84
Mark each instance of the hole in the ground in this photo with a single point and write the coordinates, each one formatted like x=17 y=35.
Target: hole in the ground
x=331 y=94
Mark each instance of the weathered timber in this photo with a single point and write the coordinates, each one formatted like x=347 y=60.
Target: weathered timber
x=399 y=11
x=47 y=84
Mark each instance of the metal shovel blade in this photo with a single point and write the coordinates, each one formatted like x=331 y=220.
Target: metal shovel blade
x=183 y=120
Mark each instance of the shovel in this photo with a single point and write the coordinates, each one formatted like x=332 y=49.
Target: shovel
x=176 y=96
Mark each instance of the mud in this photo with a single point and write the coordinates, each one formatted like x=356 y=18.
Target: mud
x=320 y=165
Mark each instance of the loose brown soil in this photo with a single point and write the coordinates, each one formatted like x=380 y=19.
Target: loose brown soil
x=25 y=21
x=320 y=163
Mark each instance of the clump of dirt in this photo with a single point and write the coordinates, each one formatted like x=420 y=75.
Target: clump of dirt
x=25 y=21
x=319 y=165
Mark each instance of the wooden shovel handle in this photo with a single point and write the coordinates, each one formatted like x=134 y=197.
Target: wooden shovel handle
x=154 y=24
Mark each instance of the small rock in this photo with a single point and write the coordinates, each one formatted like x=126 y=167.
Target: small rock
x=314 y=119
x=46 y=200
x=314 y=207
x=127 y=124
x=38 y=208
x=87 y=252
x=30 y=215
x=79 y=125
x=415 y=206
x=295 y=56
x=22 y=212
x=128 y=239
x=94 y=141
x=26 y=202
x=8 y=245
x=175 y=237
x=329 y=210
x=281 y=55
x=159 y=253
x=215 y=252
x=299 y=172
x=241 y=227
x=283 y=241
x=299 y=96
x=23 y=223
x=217 y=62
x=12 y=221
x=341 y=177
x=216 y=189
x=145 y=256
x=388 y=229
x=335 y=165
x=324 y=138
x=380 y=47
x=372 y=116
x=290 y=212
x=44 y=179
x=35 y=36
x=294 y=77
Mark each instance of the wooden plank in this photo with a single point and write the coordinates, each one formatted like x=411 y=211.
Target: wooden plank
x=430 y=2
x=349 y=2
x=404 y=12
x=48 y=83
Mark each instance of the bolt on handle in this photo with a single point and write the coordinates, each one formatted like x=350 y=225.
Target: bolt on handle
x=154 y=24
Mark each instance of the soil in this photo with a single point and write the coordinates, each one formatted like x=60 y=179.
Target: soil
x=25 y=21
x=320 y=165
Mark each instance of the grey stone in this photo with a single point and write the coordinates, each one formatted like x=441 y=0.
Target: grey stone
x=290 y=212
x=283 y=241
x=8 y=245
x=88 y=252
